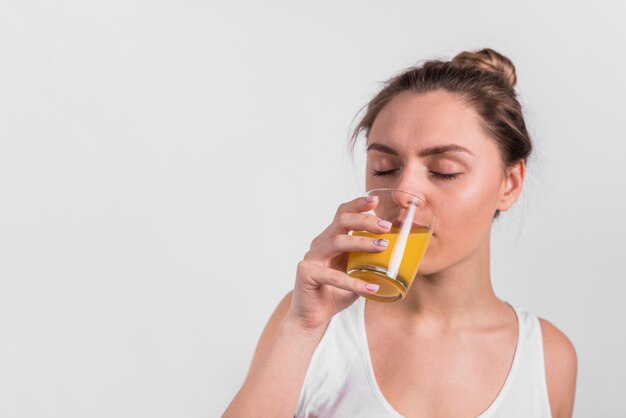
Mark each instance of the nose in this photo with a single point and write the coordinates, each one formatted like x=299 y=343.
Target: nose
x=410 y=206
x=409 y=197
x=412 y=182
x=403 y=198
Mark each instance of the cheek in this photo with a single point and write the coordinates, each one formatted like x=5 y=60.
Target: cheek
x=462 y=211
x=463 y=222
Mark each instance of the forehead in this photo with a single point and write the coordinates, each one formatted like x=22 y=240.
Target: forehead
x=413 y=121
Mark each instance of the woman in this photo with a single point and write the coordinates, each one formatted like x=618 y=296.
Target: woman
x=453 y=133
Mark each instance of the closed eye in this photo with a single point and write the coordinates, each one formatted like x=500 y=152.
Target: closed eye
x=445 y=176
x=382 y=173
x=442 y=176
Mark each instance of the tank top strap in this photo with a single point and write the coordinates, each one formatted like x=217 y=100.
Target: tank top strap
x=527 y=388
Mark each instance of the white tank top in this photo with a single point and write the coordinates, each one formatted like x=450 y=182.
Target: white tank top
x=340 y=380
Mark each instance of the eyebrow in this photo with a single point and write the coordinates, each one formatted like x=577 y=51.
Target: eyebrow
x=439 y=149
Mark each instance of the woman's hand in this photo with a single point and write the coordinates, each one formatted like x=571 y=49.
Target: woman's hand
x=322 y=286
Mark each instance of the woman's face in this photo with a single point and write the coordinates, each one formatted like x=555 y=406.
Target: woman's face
x=432 y=145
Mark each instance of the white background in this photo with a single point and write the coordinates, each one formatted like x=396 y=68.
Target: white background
x=165 y=165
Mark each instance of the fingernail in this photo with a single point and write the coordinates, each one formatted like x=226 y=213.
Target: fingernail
x=384 y=224
x=371 y=199
x=372 y=287
x=381 y=242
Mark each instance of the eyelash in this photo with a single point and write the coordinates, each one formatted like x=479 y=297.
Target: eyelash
x=441 y=176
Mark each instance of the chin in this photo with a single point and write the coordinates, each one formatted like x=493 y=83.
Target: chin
x=438 y=261
x=428 y=264
x=427 y=268
x=432 y=263
x=425 y=271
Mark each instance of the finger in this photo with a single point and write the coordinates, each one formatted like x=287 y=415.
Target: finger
x=360 y=204
x=320 y=275
x=346 y=221
x=343 y=243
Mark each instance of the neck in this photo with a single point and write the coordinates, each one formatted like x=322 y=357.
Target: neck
x=456 y=296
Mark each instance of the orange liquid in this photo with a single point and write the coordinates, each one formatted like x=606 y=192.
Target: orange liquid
x=369 y=265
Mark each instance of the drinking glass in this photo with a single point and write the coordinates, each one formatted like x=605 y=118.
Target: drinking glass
x=394 y=268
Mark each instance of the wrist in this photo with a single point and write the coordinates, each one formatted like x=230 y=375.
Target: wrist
x=296 y=326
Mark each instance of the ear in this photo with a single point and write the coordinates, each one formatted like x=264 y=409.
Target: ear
x=512 y=185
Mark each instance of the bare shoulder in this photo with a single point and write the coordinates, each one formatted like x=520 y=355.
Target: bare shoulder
x=561 y=363
x=270 y=328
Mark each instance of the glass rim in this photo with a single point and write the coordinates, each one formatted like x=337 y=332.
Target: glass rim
x=389 y=189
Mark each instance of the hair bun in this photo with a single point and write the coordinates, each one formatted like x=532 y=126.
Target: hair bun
x=489 y=60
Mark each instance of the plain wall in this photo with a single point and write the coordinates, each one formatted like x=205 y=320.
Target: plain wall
x=165 y=165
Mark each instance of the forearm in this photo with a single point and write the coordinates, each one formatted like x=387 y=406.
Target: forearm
x=273 y=388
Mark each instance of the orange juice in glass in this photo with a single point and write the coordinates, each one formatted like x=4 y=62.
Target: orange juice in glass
x=394 y=268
